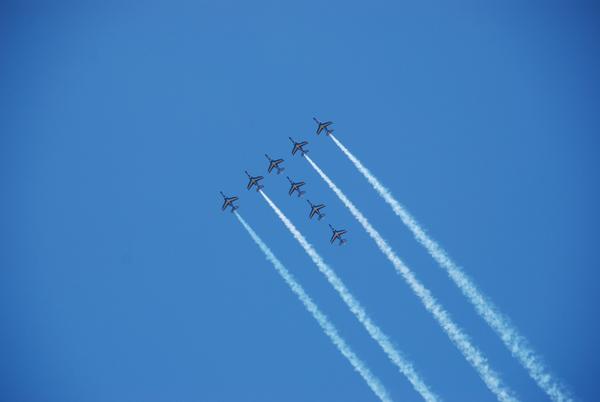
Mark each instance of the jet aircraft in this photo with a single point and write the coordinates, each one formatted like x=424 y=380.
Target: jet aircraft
x=316 y=209
x=298 y=146
x=337 y=234
x=228 y=202
x=254 y=181
x=296 y=187
x=274 y=164
x=323 y=126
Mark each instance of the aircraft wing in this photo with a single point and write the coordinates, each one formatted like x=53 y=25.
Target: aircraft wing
x=271 y=166
x=303 y=143
x=224 y=205
x=249 y=186
x=335 y=235
x=312 y=213
x=300 y=184
x=232 y=199
x=291 y=190
x=341 y=232
x=278 y=161
x=294 y=150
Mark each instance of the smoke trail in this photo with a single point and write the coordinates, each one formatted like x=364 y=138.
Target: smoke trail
x=512 y=339
x=405 y=366
x=456 y=334
x=329 y=329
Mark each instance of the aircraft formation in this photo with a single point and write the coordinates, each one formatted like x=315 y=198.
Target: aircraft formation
x=295 y=186
x=515 y=343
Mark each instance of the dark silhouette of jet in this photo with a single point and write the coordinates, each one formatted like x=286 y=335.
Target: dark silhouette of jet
x=253 y=181
x=316 y=209
x=323 y=126
x=337 y=234
x=296 y=187
x=298 y=146
x=274 y=164
x=228 y=202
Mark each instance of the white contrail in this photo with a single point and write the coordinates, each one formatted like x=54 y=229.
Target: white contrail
x=456 y=334
x=404 y=365
x=508 y=333
x=329 y=329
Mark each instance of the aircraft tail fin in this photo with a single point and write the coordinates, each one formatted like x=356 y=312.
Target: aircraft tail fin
x=301 y=193
x=343 y=241
x=233 y=208
x=279 y=170
x=321 y=216
x=259 y=187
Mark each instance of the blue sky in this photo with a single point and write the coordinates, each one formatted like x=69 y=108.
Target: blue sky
x=119 y=123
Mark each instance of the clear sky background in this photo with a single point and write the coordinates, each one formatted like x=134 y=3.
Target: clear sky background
x=121 y=279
